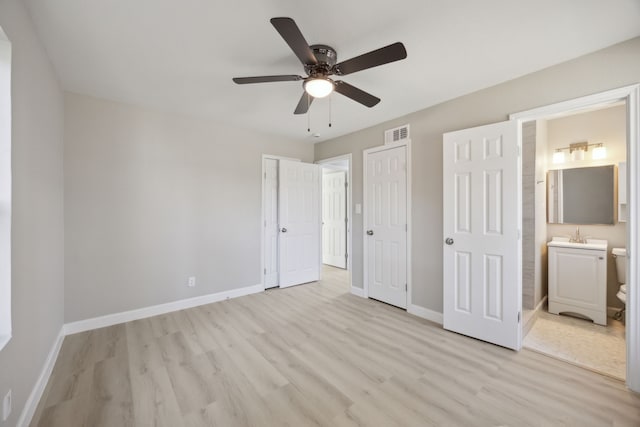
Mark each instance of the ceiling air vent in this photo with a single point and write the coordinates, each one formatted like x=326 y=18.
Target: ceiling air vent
x=396 y=134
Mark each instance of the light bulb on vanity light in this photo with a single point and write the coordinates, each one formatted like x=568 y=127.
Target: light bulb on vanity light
x=558 y=156
x=599 y=152
x=577 y=155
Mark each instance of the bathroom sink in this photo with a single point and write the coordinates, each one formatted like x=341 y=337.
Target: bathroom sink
x=565 y=242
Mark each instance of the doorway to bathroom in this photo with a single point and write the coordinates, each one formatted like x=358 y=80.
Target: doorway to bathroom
x=574 y=233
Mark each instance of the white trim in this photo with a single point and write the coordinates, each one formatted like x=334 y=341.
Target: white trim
x=425 y=313
x=347 y=157
x=528 y=322
x=5 y=190
x=631 y=96
x=404 y=143
x=4 y=339
x=36 y=393
x=575 y=105
x=262 y=179
x=359 y=292
x=141 y=313
x=541 y=303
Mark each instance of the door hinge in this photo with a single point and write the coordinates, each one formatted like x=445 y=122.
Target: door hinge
x=265 y=271
x=265 y=175
x=406 y=227
x=346 y=184
x=406 y=287
x=519 y=316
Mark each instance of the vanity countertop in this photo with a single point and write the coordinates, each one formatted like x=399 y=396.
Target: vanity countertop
x=591 y=244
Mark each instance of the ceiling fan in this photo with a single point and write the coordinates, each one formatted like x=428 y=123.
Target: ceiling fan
x=320 y=62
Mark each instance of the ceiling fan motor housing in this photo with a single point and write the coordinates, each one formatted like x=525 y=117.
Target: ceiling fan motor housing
x=327 y=58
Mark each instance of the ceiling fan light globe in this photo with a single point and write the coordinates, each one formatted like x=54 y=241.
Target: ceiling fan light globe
x=318 y=88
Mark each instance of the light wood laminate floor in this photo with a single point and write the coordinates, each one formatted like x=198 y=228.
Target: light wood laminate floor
x=315 y=355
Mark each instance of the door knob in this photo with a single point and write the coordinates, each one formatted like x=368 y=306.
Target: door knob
x=370 y=232
x=449 y=241
x=284 y=230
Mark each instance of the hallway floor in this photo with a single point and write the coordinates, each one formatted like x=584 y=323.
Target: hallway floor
x=581 y=342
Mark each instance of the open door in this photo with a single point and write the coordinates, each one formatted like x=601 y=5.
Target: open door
x=299 y=222
x=334 y=219
x=481 y=248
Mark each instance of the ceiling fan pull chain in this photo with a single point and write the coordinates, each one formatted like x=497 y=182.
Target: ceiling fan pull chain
x=330 y=97
x=308 y=114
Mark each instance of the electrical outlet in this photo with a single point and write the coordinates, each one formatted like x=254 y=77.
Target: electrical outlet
x=192 y=282
x=6 y=406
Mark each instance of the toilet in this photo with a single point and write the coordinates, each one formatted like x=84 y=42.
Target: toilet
x=620 y=255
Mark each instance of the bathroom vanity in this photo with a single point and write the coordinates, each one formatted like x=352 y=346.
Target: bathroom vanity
x=578 y=278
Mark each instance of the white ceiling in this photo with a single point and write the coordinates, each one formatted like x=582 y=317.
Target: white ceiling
x=180 y=56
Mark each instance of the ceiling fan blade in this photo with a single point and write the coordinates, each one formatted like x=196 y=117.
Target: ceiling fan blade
x=294 y=38
x=356 y=94
x=304 y=103
x=384 y=55
x=266 y=79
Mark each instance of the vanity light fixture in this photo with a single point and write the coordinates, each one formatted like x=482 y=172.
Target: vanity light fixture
x=577 y=152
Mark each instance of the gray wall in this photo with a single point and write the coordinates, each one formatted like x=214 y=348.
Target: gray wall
x=540 y=214
x=534 y=213
x=153 y=198
x=528 y=215
x=37 y=226
x=613 y=67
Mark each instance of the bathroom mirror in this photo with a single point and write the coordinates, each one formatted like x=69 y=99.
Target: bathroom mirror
x=581 y=195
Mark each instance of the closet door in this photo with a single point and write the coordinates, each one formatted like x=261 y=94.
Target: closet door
x=299 y=222
x=386 y=225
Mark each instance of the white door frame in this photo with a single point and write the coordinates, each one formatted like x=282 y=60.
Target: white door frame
x=365 y=278
x=262 y=215
x=631 y=95
x=348 y=158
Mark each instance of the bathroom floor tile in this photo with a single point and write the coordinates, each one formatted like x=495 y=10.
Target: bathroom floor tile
x=580 y=342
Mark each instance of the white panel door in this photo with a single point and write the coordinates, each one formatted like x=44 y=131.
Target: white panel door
x=334 y=219
x=482 y=285
x=299 y=220
x=270 y=204
x=386 y=225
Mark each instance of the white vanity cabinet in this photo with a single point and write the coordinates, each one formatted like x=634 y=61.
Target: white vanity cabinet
x=578 y=279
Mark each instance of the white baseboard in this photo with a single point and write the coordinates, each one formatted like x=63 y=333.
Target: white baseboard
x=357 y=291
x=425 y=313
x=541 y=303
x=36 y=393
x=141 y=313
